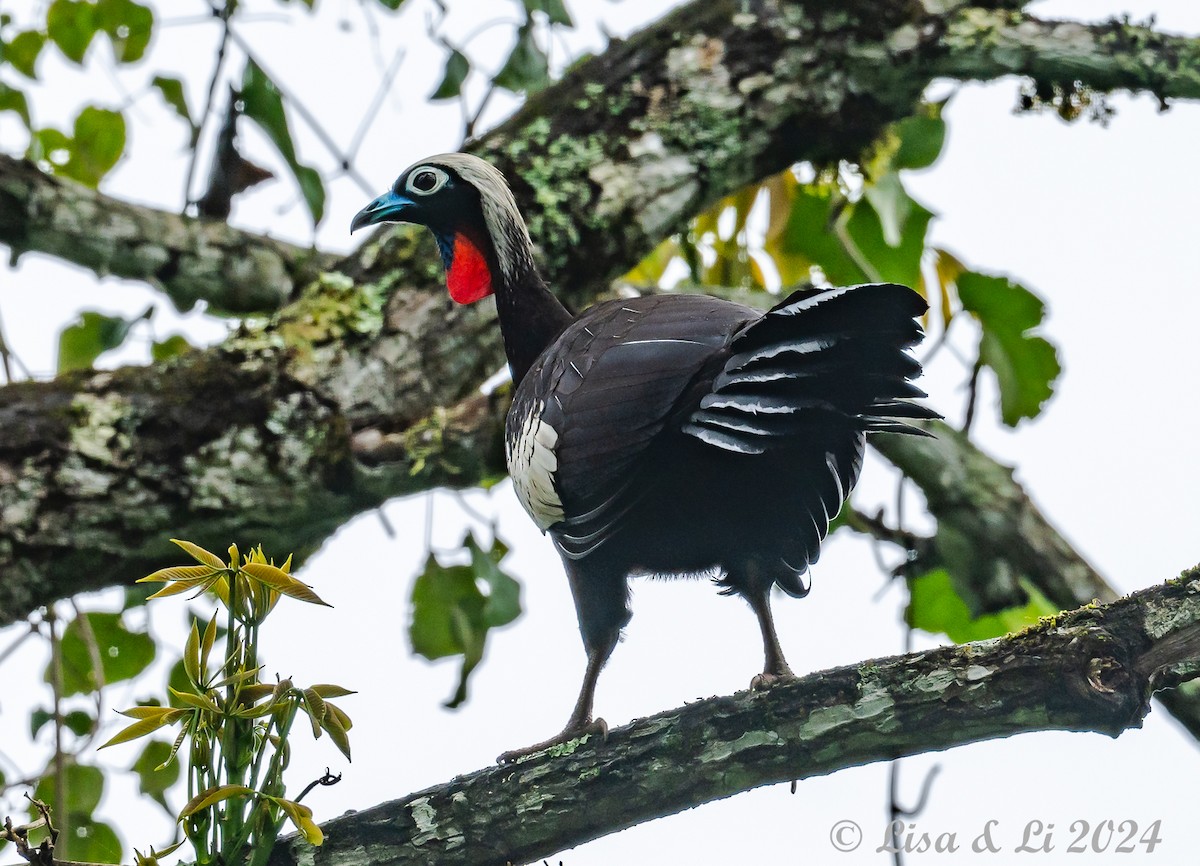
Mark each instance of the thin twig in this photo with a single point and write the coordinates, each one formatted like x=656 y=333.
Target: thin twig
x=972 y=396
x=56 y=683
x=223 y=14
x=360 y=134
x=93 y=648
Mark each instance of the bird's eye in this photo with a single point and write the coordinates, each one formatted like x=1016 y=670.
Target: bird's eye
x=426 y=180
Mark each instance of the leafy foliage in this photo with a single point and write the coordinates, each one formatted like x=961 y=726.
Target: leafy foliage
x=1026 y=365
x=236 y=727
x=935 y=606
x=122 y=653
x=454 y=607
x=81 y=343
x=262 y=103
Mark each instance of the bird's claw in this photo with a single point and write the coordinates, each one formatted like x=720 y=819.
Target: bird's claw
x=568 y=734
x=767 y=679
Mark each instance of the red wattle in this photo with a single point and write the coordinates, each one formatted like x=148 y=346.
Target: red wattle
x=468 y=277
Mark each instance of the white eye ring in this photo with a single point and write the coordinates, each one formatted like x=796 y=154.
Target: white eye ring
x=422 y=173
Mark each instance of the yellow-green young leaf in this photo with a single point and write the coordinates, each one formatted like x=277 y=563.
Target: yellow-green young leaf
x=241 y=677
x=220 y=589
x=316 y=709
x=200 y=702
x=212 y=796
x=149 y=712
x=336 y=724
x=191 y=655
x=206 y=645
x=182 y=586
x=301 y=816
x=178 y=572
x=327 y=690
x=151 y=859
x=280 y=581
x=947 y=268
x=174 y=748
x=144 y=726
x=199 y=554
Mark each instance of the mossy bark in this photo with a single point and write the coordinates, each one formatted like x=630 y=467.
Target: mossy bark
x=1090 y=670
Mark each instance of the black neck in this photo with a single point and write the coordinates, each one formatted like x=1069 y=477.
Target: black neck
x=531 y=318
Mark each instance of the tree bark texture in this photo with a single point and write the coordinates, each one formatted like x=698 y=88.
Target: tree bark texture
x=1093 y=669
x=365 y=385
x=189 y=259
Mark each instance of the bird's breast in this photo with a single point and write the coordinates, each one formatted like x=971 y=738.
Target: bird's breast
x=529 y=444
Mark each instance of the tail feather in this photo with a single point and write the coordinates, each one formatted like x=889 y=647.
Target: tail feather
x=818 y=355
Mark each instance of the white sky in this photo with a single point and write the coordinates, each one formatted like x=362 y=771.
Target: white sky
x=1101 y=222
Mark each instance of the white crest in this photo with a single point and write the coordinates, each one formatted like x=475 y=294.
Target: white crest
x=510 y=237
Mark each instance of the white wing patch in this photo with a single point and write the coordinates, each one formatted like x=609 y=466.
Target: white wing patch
x=532 y=464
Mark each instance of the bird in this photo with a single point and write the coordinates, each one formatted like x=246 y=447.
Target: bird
x=669 y=434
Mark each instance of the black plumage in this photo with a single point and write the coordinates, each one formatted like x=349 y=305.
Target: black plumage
x=671 y=434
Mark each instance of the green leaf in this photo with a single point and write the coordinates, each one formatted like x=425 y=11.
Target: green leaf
x=23 y=50
x=97 y=145
x=156 y=772
x=37 y=720
x=527 y=68
x=921 y=137
x=451 y=614
x=392 y=4
x=78 y=722
x=50 y=146
x=123 y=653
x=128 y=25
x=262 y=103
x=503 y=603
x=172 y=347
x=556 y=11
x=174 y=95
x=85 y=787
x=82 y=343
x=14 y=100
x=896 y=263
x=71 y=25
x=934 y=606
x=90 y=842
x=457 y=67
x=1026 y=365
x=892 y=205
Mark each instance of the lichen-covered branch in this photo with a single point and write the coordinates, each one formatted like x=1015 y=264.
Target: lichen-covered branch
x=188 y=259
x=1118 y=55
x=1091 y=670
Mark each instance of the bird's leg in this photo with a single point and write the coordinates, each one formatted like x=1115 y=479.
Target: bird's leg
x=602 y=604
x=775 y=666
x=581 y=721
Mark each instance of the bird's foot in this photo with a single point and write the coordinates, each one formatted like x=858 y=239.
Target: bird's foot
x=569 y=733
x=768 y=678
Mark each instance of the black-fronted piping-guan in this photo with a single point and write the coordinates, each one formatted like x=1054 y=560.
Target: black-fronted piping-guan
x=670 y=434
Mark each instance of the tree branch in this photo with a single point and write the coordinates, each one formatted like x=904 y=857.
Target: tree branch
x=1118 y=55
x=1090 y=670
x=188 y=259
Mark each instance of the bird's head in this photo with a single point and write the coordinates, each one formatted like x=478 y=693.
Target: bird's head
x=468 y=206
